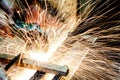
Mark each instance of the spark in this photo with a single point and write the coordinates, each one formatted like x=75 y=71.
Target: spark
x=75 y=69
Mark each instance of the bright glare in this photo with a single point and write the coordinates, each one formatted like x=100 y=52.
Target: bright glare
x=39 y=56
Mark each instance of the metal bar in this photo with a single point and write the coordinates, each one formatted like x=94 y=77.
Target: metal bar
x=12 y=62
x=37 y=65
x=44 y=67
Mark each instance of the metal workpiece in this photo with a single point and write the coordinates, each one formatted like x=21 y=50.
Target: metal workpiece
x=45 y=67
x=3 y=75
x=12 y=62
x=37 y=65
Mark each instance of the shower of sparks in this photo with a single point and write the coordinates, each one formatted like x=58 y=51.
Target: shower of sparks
x=60 y=48
x=56 y=36
x=57 y=32
x=55 y=41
